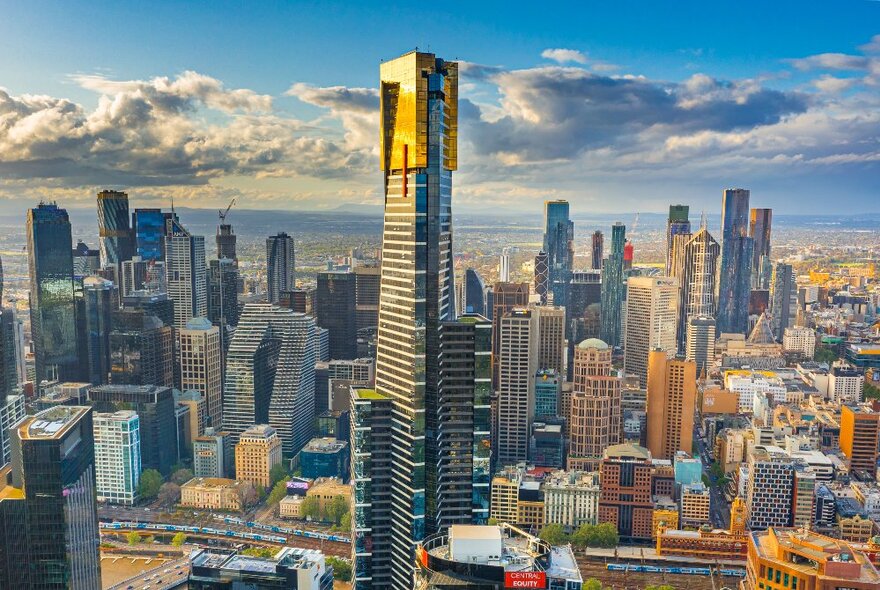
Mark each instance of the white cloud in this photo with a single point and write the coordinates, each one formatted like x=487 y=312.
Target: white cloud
x=563 y=56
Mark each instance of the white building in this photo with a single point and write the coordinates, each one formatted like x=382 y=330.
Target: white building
x=748 y=385
x=11 y=413
x=846 y=384
x=571 y=498
x=117 y=456
x=695 y=505
x=200 y=366
x=517 y=364
x=799 y=339
x=651 y=322
x=185 y=274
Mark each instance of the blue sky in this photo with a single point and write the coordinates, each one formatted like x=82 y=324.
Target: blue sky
x=617 y=107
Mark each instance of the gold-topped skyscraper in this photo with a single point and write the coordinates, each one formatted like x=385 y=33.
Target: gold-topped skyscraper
x=419 y=136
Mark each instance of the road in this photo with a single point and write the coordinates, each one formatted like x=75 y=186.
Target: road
x=720 y=509
x=162 y=577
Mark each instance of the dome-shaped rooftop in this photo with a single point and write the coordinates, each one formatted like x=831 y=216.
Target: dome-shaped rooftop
x=593 y=343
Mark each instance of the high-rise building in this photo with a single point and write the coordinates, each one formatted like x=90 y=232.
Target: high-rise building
x=596 y=247
x=474 y=292
x=185 y=273
x=700 y=341
x=651 y=320
x=141 y=346
x=770 y=488
x=366 y=286
x=613 y=286
x=672 y=396
x=51 y=501
x=504 y=266
x=678 y=223
x=280 y=266
x=336 y=304
x=150 y=226
x=625 y=499
x=734 y=277
x=371 y=459
x=8 y=353
x=517 y=365
x=222 y=286
x=11 y=413
x=505 y=297
x=117 y=456
x=550 y=323
x=860 y=437
x=52 y=304
x=113 y=227
x=85 y=260
x=548 y=387
x=463 y=424
x=270 y=375
x=257 y=452
x=155 y=409
x=542 y=277
x=225 y=240
x=760 y=221
x=783 y=300
x=213 y=455
x=95 y=305
x=419 y=114
x=200 y=365
x=696 y=278
x=559 y=246
x=595 y=418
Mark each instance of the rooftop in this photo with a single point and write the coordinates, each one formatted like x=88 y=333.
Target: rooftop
x=52 y=423
x=593 y=343
x=368 y=394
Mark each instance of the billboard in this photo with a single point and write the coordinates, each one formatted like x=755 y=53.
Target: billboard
x=525 y=580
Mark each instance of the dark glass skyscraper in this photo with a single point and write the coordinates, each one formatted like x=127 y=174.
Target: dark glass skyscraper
x=419 y=133
x=559 y=246
x=760 y=223
x=53 y=309
x=94 y=313
x=783 y=300
x=597 y=244
x=612 y=286
x=113 y=227
x=148 y=226
x=280 y=266
x=678 y=223
x=222 y=282
x=734 y=277
x=336 y=304
x=474 y=292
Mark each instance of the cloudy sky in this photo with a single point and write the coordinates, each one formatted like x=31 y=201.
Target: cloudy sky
x=618 y=109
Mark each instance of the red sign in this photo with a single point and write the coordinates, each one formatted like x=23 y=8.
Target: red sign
x=525 y=580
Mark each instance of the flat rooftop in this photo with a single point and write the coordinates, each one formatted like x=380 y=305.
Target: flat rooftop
x=51 y=424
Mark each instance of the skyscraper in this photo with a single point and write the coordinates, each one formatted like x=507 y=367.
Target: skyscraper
x=200 y=365
x=94 y=314
x=366 y=287
x=419 y=133
x=222 y=284
x=474 y=292
x=185 y=273
x=559 y=246
x=336 y=303
x=651 y=320
x=113 y=227
x=225 y=240
x=85 y=260
x=783 y=300
x=53 y=309
x=542 y=277
x=117 y=456
x=280 y=265
x=8 y=366
x=53 y=476
x=504 y=266
x=672 y=395
x=595 y=420
x=596 y=246
x=734 y=277
x=150 y=226
x=517 y=365
x=760 y=222
x=678 y=223
x=612 y=287
x=505 y=297
x=551 y=337
x=696 y=279
x=700 y=341
x=141 y=348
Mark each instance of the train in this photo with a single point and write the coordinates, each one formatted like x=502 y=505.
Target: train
x=174 y=528
x=688 y=571
x=285 y=530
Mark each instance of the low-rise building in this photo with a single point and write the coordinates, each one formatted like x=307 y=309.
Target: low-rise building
x=212 y=493
x=303 y=569
x=695 y=505
x=799 y=339
x=290 y=507
x=571 y=498
x=325 y=457
x=325 y=489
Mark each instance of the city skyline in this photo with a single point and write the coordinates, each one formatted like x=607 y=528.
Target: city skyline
x=791 y=115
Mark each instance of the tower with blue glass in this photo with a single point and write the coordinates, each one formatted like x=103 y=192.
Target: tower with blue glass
x=558 y=245
x=612 y=287
x=735 y=276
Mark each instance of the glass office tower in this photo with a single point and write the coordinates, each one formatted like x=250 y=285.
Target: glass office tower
x=612 y=286
x=418 y=147
x=148 y=226
x=113 y=227
x=558 y=244
x=53 y=308
x=735 y=277
x=678 y=223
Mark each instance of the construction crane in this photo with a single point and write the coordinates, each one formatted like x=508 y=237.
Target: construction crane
x=223 y=214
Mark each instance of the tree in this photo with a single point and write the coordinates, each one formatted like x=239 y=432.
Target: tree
x=336 y=509
x=492 y=521
x=341 y=568
x=310 y=508
x=277 y=473
x=133 y=538
x=247 y=494
x=279 y=491
x=169 y=494
x=345 y=522
x=592 y=584
x=178 y=539
x=181 y=476
x=151 y=481
x=825 y=354
x=581 y=537
x=604 y=535
x=553 y=534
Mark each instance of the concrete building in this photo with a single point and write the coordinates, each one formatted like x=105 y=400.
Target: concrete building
x=210 y=493
x=801 y=340
x=748 y=384
x=846 y=384
x=770 y=488
x=595 y=419
x=186 y=274
x=860 y=437
x=257 y=452
x=651 y=321
x=213 y=455
x=695 y=505
x=505 y=297
x=672 y=394
x=303 y=569
x=517 y=364
x=626 y=495
x=117 y=456
x=571 y=498
x=700 y=341
x=551 y=338
x=200 y=368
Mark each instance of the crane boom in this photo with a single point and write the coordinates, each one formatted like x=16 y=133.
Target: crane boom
x=223 y=214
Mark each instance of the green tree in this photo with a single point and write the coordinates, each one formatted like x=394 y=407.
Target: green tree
x=554 y=534
x=492 y=522
x=181 y=476
x=592 y=584
x=133 y=538
x=341 y=568
x=336 y=509
x=178 y=539
x=310 y=508
x=604 y=535
x=277 y=473
x=581 y=537
x=279 y=491
x=825 y=354
x=871 y=391
x=345 y=522
x=151 y=482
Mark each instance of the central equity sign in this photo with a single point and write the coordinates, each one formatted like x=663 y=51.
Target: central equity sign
x=525 y=580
